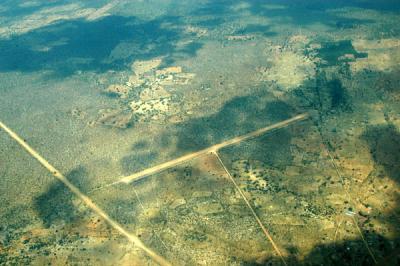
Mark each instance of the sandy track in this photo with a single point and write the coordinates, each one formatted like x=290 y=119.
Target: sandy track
x=214 y=148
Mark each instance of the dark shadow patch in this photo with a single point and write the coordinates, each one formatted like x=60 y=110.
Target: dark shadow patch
x=189 y=50
x=384 y=145
x=111 y=95
x=338 y=94
x=327 y=95
x=278 y=111
x=137 y=161
x=214 y=8
x=263 y=30
x=79 y=45
x=271 y=149
x=56 y=204
x=330 y=52
x=351 y=252
x=237 y=117
x=140 y=145
x=346 y=24
x=211 y=23
x=303 y=13
x=348 y=252
x=383 y=5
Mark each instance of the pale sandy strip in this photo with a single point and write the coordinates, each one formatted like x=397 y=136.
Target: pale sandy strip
x=84 y=198
x=216 y=147
x=102 y=11
x=265 y=231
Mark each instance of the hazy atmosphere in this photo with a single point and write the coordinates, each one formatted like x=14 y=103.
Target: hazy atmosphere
x=200 y=132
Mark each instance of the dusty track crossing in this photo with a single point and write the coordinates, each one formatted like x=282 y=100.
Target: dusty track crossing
x=57 y=174
x=214 y=148
x=153 y=170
